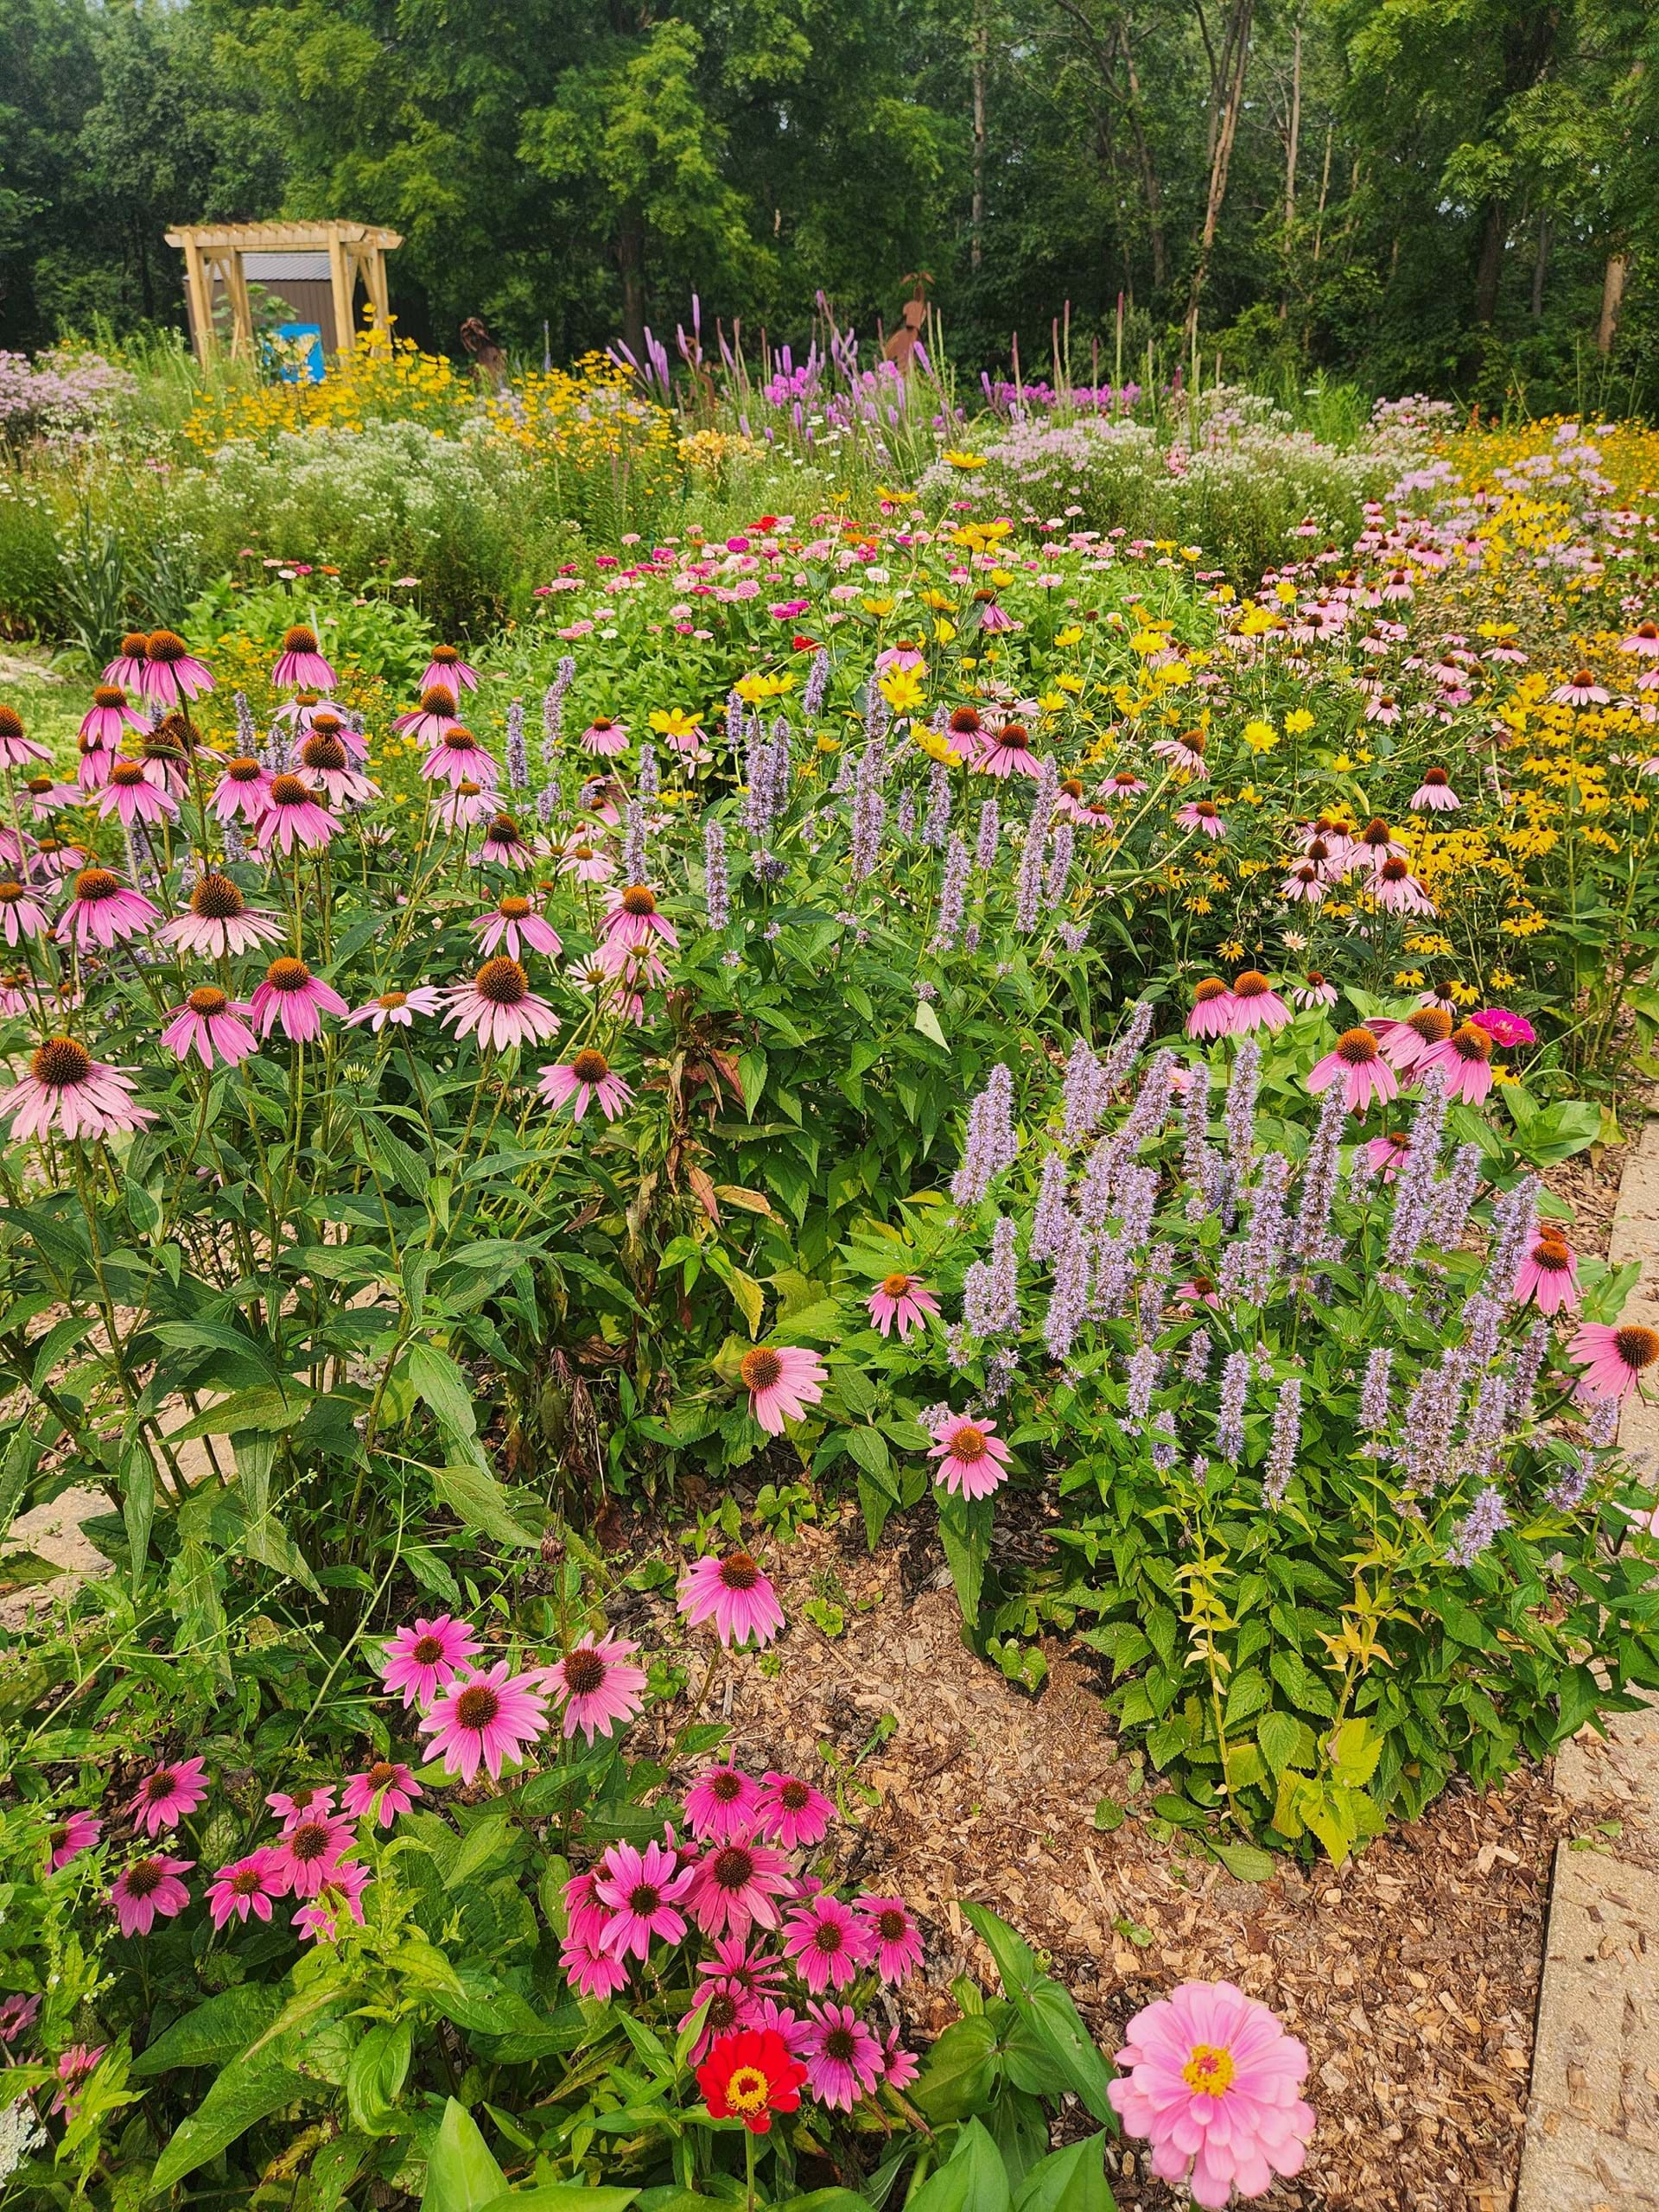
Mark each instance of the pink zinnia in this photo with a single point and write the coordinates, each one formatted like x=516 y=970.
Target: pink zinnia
x=1466 y=1061
x=66 y=1086
x=246 y=1885
x=398 y=1008
x=1358 y=1061
x=633 y=921
x=1504 y=1028
x=737 y=1882
x=604 y=736
x=18 y=750
x=459 y=757
x=643 y=1890
x=109 y=718
x=385 y=1790
x=826 y=1942
x=220 y=923
x=893 y=1941
x=293 y=817
x=1548 y=1275
x=213 y=1025
x=127 y=794
x=500 y=1006
x=425 y=1659
x=310 y=1851
x=515 y=922
x=782 y=1382
x=1256 y=1004
x=147 y=1889
x=1210 y=2080
x=485 y=1718
x=903 y=1299
x=601 y=1690
x=791 y=1813
x=1212 y=1009
x=21 y=915
x=734 y=1593
x=171 y=673
x=1006 y=751
x=1202 y=814
x=843 y=2059
x=301 y=664
x=972 y=1459
x=79 y=1833
x=291 y=995
x=723 y=1801
x=166 y=1796
x=446 y=670
x=1614 y=1356
x=1435 y=795
x=586 y=1077
x=102 y=910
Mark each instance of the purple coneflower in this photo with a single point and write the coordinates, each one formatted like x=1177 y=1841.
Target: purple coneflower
x=893 y=1940
x=434 y=716
x=791 y=1813
x=172 y=674
x=1202 y=814
x=588 y=1075
x=972 y=1459
x=500 y=1006
x=633 y=920
x=290 y=993
x=1006 y=751
x=293 y=817
x=1435 y=795
x=782 y=1382
x=604 y=737
x=301 y=664
x=515 y=922
x=220 y=923
x=826 y=1941
x=503 y=845
x=423 y=1659
x=738 y=1882
x=1256 y=1004
x=1397 y=891
x=67 y=1088
x=579 y=858
x=1211 y=1013
x=246 y=1885
x=148 y=1891
x=1548 y=1275
x=17 y=750
x=398 y=1007
x=102 y=910
x=128 y=794
x=127 y=668
x=843 y=2059
x=600 y=1688
x=168 y=1795
x=1403 y=1043
x=458 y=757
x=1581 y=690
x=485 y=1717
x=385 y=1790
x=735 y=1593
x=21 y=914
x=310 y=1850
x=446 y=670
x=643 y=1890
x=903 y=1300
x=1614 y=1357
x=109 y=718
x=1466 y=1061
x=212 y=1025
x=1314 y=990
x=325 y=767
x=1358 y=1062
x=77 y=1833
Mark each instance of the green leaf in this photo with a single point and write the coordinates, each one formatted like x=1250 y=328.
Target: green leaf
x=1071 y=2180
x=273 y=1407
x=250 y=2089
x=961 y=2072
x=1057 y=2021
x=480 y=1503
x=928 y=1022
x=1015 y=1960
x=375 y=2078
x=461 y=2175
x=1246 y=1862
x=973 y=2180
x=1278 y=1735
x=576 y=2197
x=438 y=1383
x=214 y=2032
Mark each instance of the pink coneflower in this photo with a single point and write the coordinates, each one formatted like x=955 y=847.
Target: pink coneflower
x=92 y=769
x=1548 y=1275
x=643 y=1890
x=500 y=1006
x=171 y=673
x=17 y=749
x=729 y=2008
x=290 y=993
x=39 y=798
x=307 y=1801
x=325 y=765
x=67 y=1086
x=1435 y=795
x=1314 y=990
x=972 y=1459
x=722 y=1803
x=1505 y=1027
x=1614 y=1357
x=486 y=1717
x=993 y=618
x=464 y=807
x=448 y=670
x=1465 y=1060
x=458 y=757
x=1358 y=1061
x=632 y=921
x=782 y=1380
x=1211 y=1013
x=516 y=922
x=1581 y=690
x=1385 y=1154
x=579 y=858
x=165 y=1798
x=1202 y=814
x=79 y=1833
x=843 y=2059
x=310 y=1850
x=1127 y=783
x=102 y=910
x=738 y=1882
x=901 y=1299
x=734 y=1593
x=601 y=1690
x=148 y=1891
x=792 y=1813
x=757 y=1973
x=893 y=1938
x=1209 y=2079
x=1071 y=803
x=21 y=914
x=212 y=1025
x=398 y=1008
x=1256 y=1005
x=591 y=1971
x=602 y=796
x=385 y=1788
x=18 y=2014
x=75 y=2066
x=293 y=817
x=585 y=1916
x=899 y=2066
x=109 y=718
x=1006 y=751
x=130 y=797
x=503 y=845
x=432 y=718
x=587 y=1077
x=246 y=1885
x=425 y=1659
x=826 y=1942
x=220 y=923
x=301 y=663
x=1185 y=752
x=127 y=668
x=604 y=736
x=1397 y=891
x=319 y=1920
x=1383 y=708
x=771 y=2016
x=1643 y=640
x=330 y=722
x=1404 y=1043
x=1306 y=882
x=1198 y=1290
x=1375 y=844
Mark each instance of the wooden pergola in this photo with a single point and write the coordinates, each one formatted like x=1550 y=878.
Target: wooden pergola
x=213 y=261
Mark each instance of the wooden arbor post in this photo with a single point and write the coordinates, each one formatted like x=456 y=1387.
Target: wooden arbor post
x=215 y=252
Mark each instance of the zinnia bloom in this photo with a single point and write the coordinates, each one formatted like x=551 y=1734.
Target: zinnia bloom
x=385 y=1785
x=293 y=817
x=736 y=1885
x=220 y=923
x=1504 y=1028
x=1209 y=2079
x=634 y=920
x=791 y=1813
x=129 y=796
x=894 y=1942
x=246 y=1885
x=500 y=1006
x=102 y=911
x=972 y=1459
x=901 y=1299
x=1358 y=1061
x=1614 y=1358
x=826 y=1942
x=291 y=995
x=782 y=1382
x=736 y=1594
x=149 y=1890
x=79 y=1833
x=425 y=1659
x=1256 y=1004
x=1466 y=1061
x=601 y=1690
x=1548 y=1275
x=398 y=1008
x=643 y=1890
x=485 y=1717
x=1435 y=794
x=1212 y=1009
x=166 y=1796
x=722 y=1802
x=749 y=2076
x=212 y=1025
x=67 y=1086
x=587 y=1077
x=300 y=663
x=171 y=672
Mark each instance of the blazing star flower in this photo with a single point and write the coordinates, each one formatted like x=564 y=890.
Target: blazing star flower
x=384 y=1790
x=503 y=845
x=1212 y=1009
x=737 y=1884
x=300 y=663
x=893 y=1941
x=729 y=2009
x=74 y=2069
x=486 y=1717
x=290 y=993
x=723 y=1801
x=167 y=1796
x=601 y=1690
x=1614 y=1357
x=579 y=858
x=432 y=718
x=591 y=1971
x=458 y=757
x=901 y=1299
x=127 y=668
x=826 y=1941
x=643 y=1890
x=632 y=921
x=1202 y=814
x=21 y=914
x=319 y=1920
x=79 y=1833
x=246 y=1885
x=782 y=1382
x=735 y=1593
x=843 y=2059
x=1435 y=794
x=604 y=736
x=149 y=1890
x=1358 y=1061
x=1465 y=1060
x=515 y=921
x=18 y=750
x=1548 y=1275
x=1005 y=752
x=750 y=2075
x=127 y=794
x=307 y=1801
x=310 y=1850
x=293 y=817
x=972 y=1459
x=102 y=910
x=426 y=1658
x=212 y=1025
x=1505 y=1028
x=586 y=1076
x=447 y=669
x=791 y=1813
x=325 y=765
x=398 y=1008
x=220 y=923
x=500 y=1006
x=1256 y=1004
x=1403 y=1043
x=171 y=672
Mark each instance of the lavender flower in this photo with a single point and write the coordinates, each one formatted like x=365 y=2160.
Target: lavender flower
x=1414 y=1179
x=1240 y=1115
x=1374 y=1399
x=999 y=1370
x=1201 y=1164
x=817 y=686
x=1483 y=1432
x=990 y=1145
x=247 y=734
x=1431 y=1419
x=1514 y=1221
x=553 y=708
x=1567 y=1493
x=1059 y=866
x=1195 y=1368
x=716 y=886
x=1250 y=1265
x=1051 y=1222
x=1119 y=1061
x=936 y=822
x=1083 y=1100
x=869 y=812
x=1474 y=1532
x=234 y=849
x=990 y=1290
x=1095 y=1191
x=518 y=756
x=1448 y=1211
x=1529 y=1365
x=1287 y=1435
x=649 y=781
x=906 y=820
x=1229 y=1416
x=734 y=721
x=953 y=895
x=1068 y=1303
x=1146 y=1116
x=634 y=843
x=1310 y=1241
x=1137 y=1196
x=990 y=827
x=1146 y=1365
x=1113 y=1273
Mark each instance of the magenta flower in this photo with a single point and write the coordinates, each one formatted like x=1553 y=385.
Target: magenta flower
x=1614 y=1357
x=826 y=1942
x=1506 y=1029
x=591 y=1971
x=18 y=750
x=1256 y=1004
x=21 y=914
x=723 y=1801
x=601 y=1690
x=515 y=921
x=243 y=790
x=220 y=923
x=1402 y=1044
x=148 y=1891
x=782 y=1382
x=102 y=910
x=291 y=995
x=320 y=1920
x=309 y=1852
x=899 y=2066
x=67 y=1088
x=729 y=2009
x=1385 y=1154
x=433 y=718
x=1211 y=1014
x=171 y=673
x=791 y=1813
x=1581 y=690
x=1548 y=1275
x=398 y=1008
x=127 y=668
x=1643 y=640
x=1397 y=891
x=588 y=1075
x=307 y=1801
x=246 y=1885
x=1314 y=990
x=293 y=817
x=901 y=1299
x=92 y=769
x=1435 y=795
x=604 y=737
x=643 y=1890
x=74 y=2069
x=504 y=846
x=458 y=810
x=500 y=1006
x=1006 y=751
x=579 y=858
x=1305 y=882
x=843 y=2059
x=734 y=1593
x=385 y=1788
x=79 y=1833
x=301 y=664
x=425 y=1659
x=633 y=920
x=42 y=798
x=485 y=1718
x=18 y=2014
x=756 y=1973
x=128 y=794
x=737 y=1884
x=1466 y=1061
x=323 y=764
x=1358 y=1063
x=769 y=2016
x=446 y=670
x=458 y=757
x=213 y=1025
x=972 y=1459
x=1202 y=814
x=1210 y=2080
x=893 y=1938
x=165 y=1798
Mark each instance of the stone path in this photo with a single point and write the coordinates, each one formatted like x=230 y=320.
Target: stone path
x=1593 y=2121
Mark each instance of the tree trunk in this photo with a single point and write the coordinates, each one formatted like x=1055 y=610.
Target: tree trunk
x=1324 y=191
x=1489 y=270
x=975 y=247
x=1143 y=158
x=1292 y=137
x=630 y=260
x=1235 y=57
x=1612 y=298
x=1541 y=263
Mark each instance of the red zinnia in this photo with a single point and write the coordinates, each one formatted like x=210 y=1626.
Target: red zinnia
x=749 y=2076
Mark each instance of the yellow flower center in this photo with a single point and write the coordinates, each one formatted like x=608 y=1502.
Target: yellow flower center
x=1209 y=2069
x=748 y=2089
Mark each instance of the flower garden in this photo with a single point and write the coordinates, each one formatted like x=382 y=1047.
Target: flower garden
x=933 y=1057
